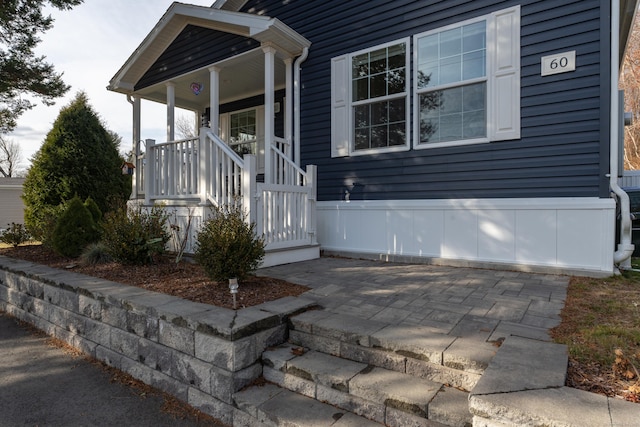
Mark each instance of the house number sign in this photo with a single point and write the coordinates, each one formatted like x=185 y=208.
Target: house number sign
x=558 y=63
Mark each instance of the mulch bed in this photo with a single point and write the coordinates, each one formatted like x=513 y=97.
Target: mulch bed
x=183 y=279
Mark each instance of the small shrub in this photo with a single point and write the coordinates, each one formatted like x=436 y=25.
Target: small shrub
x=94 y=254
x=93 y=208
x=227 y=246
x=14 y=235
x=74 y=230
x=42 y=227
x=133 y=235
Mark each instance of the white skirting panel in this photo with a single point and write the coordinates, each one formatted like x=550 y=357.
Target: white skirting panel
x=567 y=234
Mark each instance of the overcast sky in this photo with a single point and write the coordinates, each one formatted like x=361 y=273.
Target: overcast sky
x=89 y=44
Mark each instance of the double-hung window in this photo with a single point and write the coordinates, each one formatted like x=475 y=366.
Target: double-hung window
x=467 y=82
x=370 y=100
x=465 y=89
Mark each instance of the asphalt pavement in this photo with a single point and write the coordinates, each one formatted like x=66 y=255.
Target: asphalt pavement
x=41 y=385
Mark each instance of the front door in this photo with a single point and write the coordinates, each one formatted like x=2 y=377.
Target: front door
x=243 y=130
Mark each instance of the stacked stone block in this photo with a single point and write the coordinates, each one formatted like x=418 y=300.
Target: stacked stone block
x=199 y=353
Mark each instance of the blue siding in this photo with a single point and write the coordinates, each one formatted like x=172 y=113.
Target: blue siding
x=564 y=136
x=194 y=48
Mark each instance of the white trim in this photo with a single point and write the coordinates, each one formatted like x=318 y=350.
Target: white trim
x=214 y=99
x=178 y=16
x=340 y=110
x=504 y=89
x=565 y=233
x=171 y=109
x=342 y=131
x=502 y=69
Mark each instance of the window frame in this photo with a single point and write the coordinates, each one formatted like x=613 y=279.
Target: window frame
x=418 y=144
x=502 y=98
x=406 y=94
x=492 y=73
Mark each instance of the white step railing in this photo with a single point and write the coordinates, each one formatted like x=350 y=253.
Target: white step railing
x=223 y=170
x=286 y=212
x=206 y=170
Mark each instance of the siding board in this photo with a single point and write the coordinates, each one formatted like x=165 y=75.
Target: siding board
x=194 y=48
x=559 y=153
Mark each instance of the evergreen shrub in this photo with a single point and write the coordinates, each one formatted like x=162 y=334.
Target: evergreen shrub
x=227 y=246
x=133 y=235
x=74 y=230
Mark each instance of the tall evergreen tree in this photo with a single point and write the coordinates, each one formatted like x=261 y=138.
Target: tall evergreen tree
x=79 y=157
x=21 y=71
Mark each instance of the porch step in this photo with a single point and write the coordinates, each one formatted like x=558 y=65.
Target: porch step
x=380 y=395
x=387 y=374
x=271 y=406
x=417 y=351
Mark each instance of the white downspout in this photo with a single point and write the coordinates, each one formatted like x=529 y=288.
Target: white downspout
x=625 y=248
x=296 y=103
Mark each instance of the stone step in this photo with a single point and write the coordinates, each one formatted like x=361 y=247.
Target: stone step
x=384 y=396
x=418 y=351
x=271 y=406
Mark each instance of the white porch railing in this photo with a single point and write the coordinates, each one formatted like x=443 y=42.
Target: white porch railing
x=206 y=170
x=171 y=170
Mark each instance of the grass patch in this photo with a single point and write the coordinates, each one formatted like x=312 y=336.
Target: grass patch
x=601 y=327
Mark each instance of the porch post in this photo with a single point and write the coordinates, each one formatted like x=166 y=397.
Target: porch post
x=171 y=109
x=204 y=157
x=214 y=103
x=136 y=148
x=249 y=190
x=288 y=111
x=269 y=98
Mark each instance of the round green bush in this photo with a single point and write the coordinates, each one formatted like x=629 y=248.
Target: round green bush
x=74 y=230
x=227 y=246
x=135 y=235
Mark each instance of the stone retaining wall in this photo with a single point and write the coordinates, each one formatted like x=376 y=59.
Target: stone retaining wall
x=197 y=352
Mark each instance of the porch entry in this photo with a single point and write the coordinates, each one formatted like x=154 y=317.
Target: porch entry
x=243 y=130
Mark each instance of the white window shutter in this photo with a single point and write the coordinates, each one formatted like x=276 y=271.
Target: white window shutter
x=340 y=114
x=505 y=78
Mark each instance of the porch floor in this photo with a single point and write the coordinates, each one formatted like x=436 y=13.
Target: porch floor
x=465 y=302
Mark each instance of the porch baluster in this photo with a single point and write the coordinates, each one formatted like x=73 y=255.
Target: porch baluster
x=150 y=169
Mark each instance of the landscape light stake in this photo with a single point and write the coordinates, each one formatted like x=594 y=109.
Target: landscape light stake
x=233 y=287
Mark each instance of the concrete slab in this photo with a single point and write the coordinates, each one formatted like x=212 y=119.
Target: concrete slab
x=291 y=409
x=412 y=341
x=251 y=398
x=623 y=413
x=348 y=329
x=507 y=329
x=450 y=407
x=351 y=420
x=396 y=390
x=324 y=369
x=478 y=327
x=278 y=357
x=524 y=364
x=561 y=406
x=469 y=354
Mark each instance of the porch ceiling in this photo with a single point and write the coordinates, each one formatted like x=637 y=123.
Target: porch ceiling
x=236 y=74
x=240 y=77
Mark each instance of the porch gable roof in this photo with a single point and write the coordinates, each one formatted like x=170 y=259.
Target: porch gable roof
x=260 y=28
